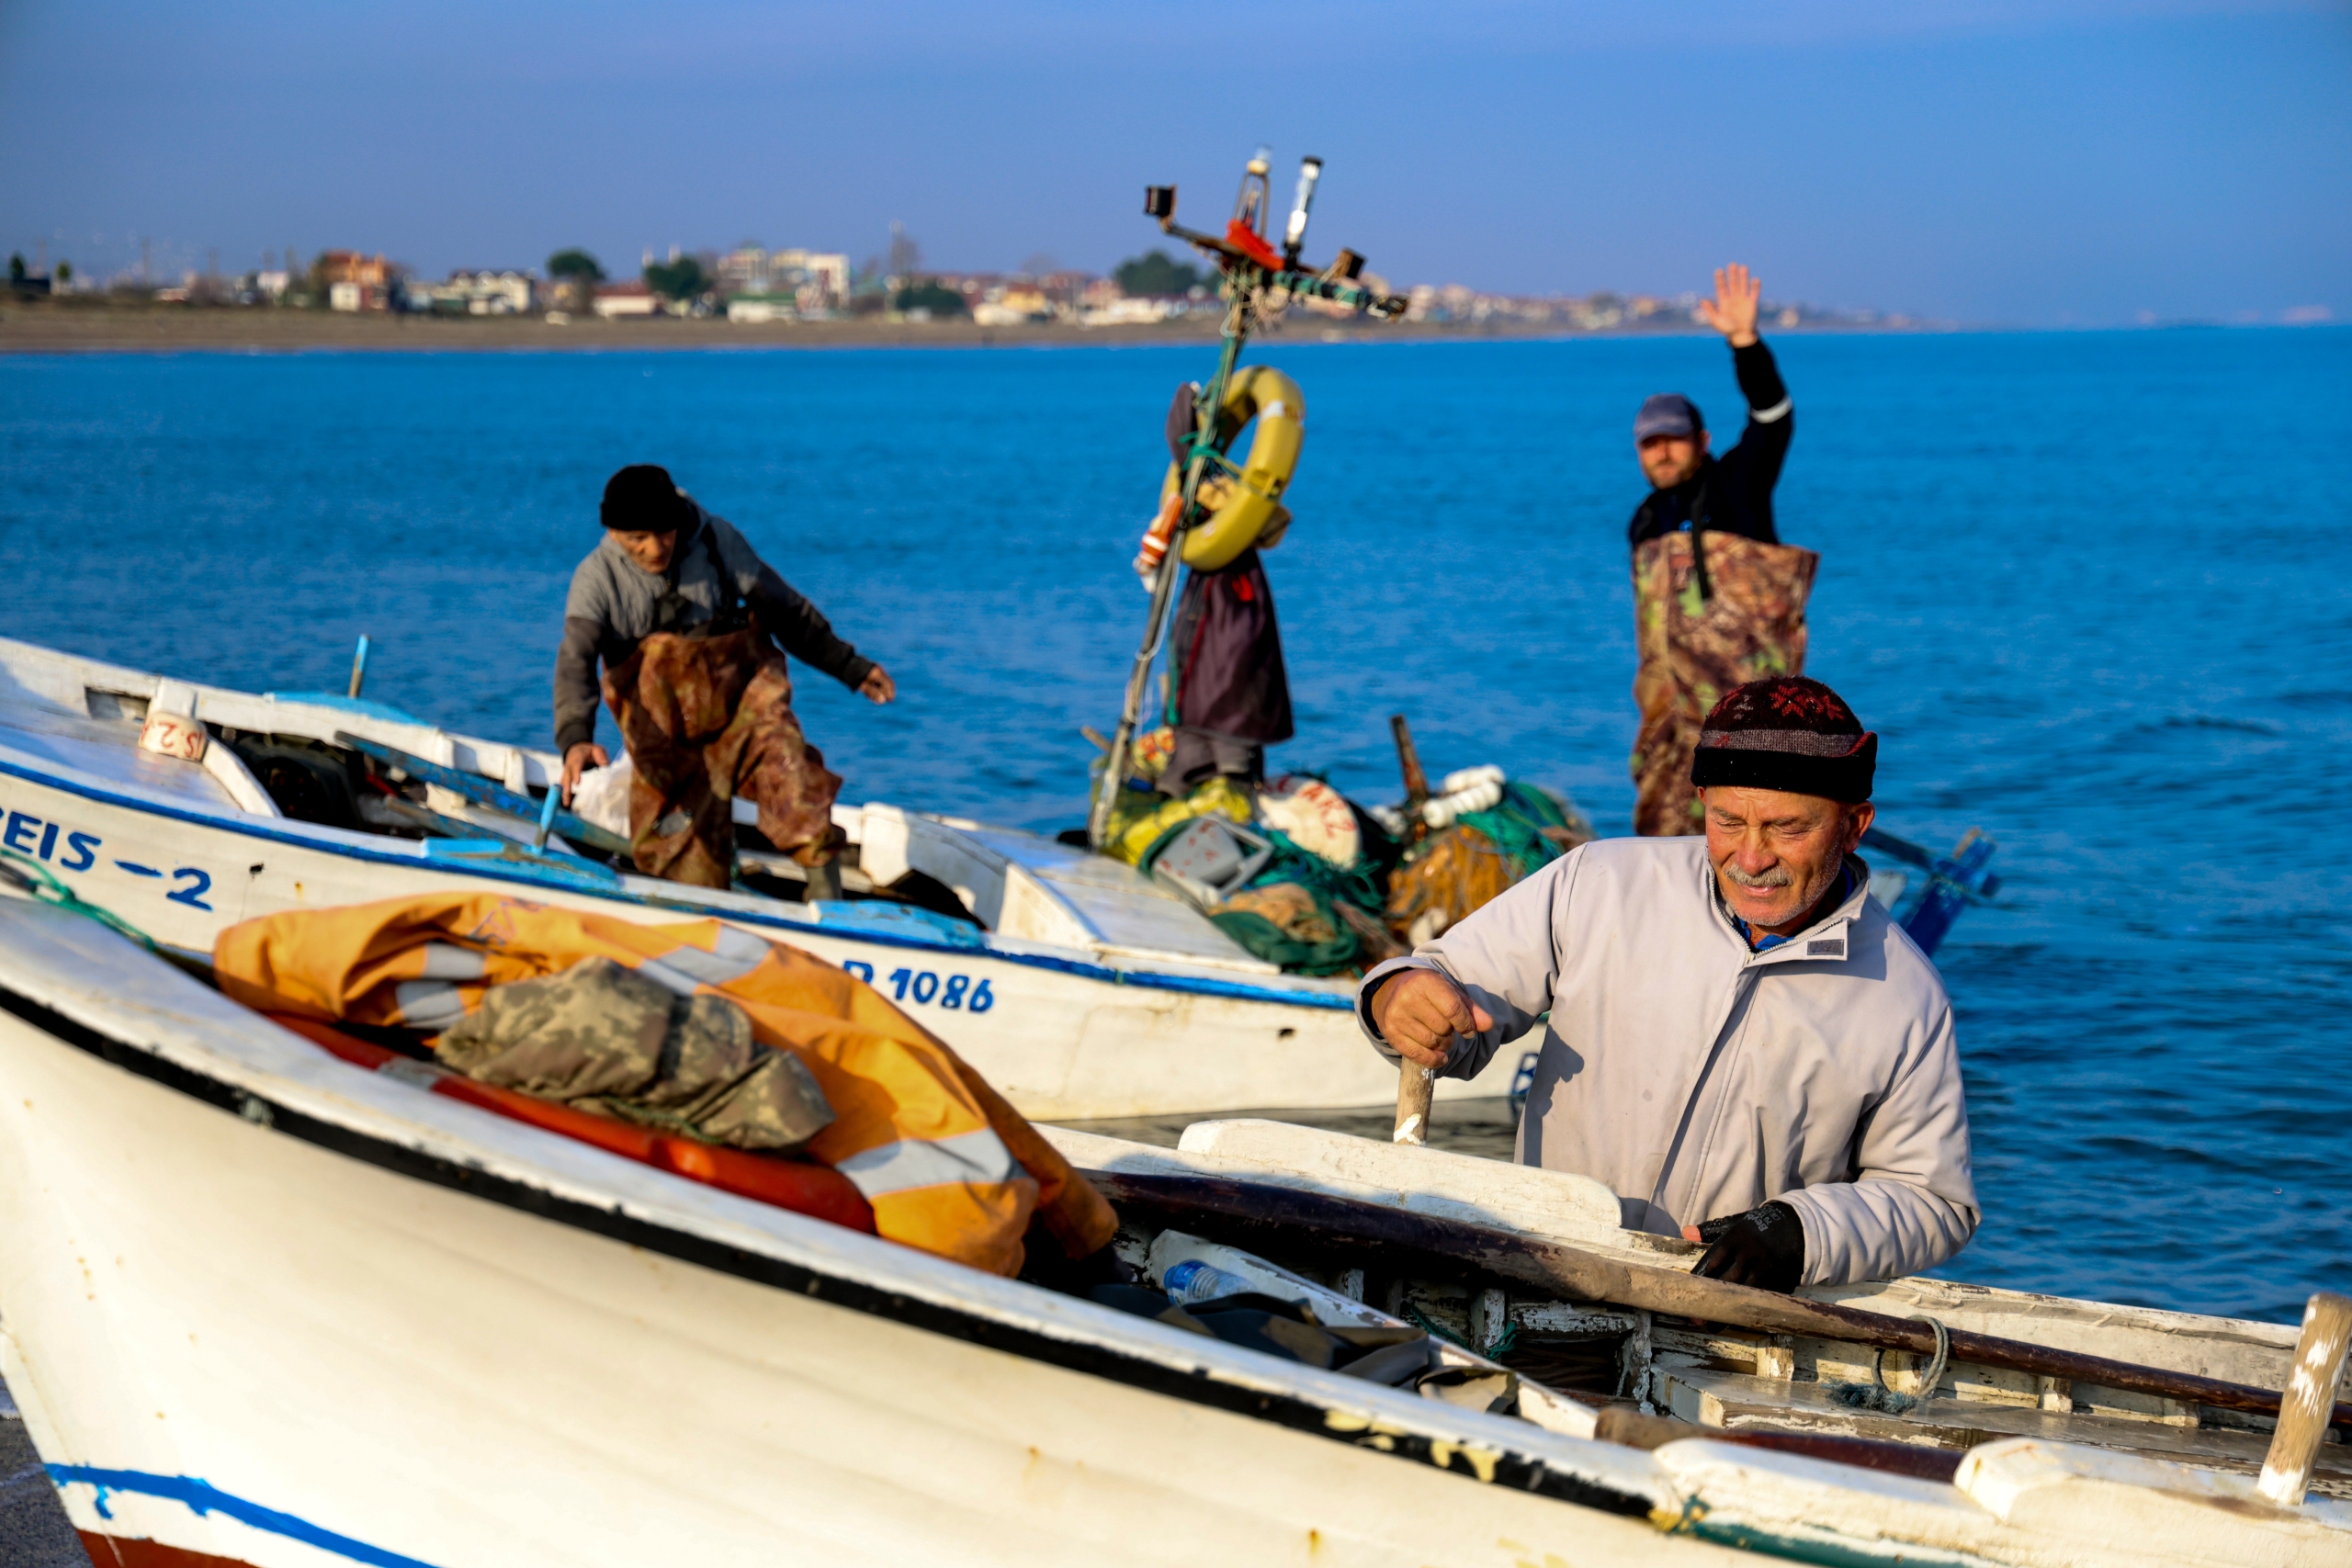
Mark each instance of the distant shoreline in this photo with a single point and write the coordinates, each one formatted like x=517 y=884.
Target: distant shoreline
x=43 y=328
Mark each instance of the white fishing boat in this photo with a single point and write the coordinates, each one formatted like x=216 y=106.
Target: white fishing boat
x=1079 y=987
x=262 y=1306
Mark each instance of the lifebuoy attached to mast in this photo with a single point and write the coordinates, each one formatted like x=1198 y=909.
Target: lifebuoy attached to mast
x=1243 y=505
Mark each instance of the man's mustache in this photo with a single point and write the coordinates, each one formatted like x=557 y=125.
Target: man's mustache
x=1777 y=877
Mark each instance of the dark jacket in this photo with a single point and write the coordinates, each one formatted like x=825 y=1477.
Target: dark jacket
x=715 y=579
x=1228 y=654
x=1733 y=492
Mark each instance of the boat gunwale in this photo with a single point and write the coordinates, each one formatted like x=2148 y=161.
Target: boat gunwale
x=1206 y=1373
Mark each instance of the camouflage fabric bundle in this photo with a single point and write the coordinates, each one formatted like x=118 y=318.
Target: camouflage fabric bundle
x=1694 y=648
x=607 y=1039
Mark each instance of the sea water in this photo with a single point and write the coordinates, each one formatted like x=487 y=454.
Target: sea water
x=2091 y=588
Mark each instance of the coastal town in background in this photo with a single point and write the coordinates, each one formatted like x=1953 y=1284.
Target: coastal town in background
x=753 y=284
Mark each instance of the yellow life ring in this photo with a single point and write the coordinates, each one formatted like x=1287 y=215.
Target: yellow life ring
x=1242 y=509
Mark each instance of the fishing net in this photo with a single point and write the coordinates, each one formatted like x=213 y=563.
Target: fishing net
x=1289 y=924
x=1457 y=871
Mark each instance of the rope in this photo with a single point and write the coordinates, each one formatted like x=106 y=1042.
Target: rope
x=1414 y=1315
x=1876 y=1396
x=44 y=887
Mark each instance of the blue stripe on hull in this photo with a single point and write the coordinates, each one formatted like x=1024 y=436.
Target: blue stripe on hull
x=202 y=1498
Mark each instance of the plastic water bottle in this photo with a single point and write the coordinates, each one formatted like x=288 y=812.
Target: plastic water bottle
x=1194 y=1281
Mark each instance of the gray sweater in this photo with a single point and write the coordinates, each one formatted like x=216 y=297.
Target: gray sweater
x=616 y=604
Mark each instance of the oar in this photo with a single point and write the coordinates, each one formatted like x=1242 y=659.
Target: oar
x=1268 y=1219
x=1414 y=1083
x=2303 y=1416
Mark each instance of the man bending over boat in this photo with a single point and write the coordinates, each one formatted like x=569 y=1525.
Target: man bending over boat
x=1717 y=598
x=685 y=617
x=1742 y=1044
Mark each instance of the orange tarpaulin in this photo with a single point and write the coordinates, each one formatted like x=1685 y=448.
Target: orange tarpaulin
x=946 y=1163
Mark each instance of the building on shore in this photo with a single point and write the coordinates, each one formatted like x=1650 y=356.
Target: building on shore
x=630 y=299
x=356 y=282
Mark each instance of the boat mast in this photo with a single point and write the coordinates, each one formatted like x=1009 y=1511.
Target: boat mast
x=1250 y=272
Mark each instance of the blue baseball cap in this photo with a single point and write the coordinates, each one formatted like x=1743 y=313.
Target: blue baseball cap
x=1667 y=413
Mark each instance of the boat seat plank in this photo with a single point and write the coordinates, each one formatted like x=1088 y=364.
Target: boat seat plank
x=1124 y=909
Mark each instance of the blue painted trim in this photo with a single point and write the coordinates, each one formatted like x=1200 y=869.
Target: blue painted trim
x=202 y=1498
x=508 y=871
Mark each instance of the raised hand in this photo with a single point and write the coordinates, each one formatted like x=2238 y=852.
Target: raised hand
x=1733 y=310
x=1420 y=1011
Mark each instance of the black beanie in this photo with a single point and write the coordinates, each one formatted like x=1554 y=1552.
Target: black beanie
x=643 y=499
x=1787 y=733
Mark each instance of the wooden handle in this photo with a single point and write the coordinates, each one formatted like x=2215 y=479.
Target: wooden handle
x=1415 y=1084
x=1416 y=783
x=2309 y=1401
x=1279 y=1220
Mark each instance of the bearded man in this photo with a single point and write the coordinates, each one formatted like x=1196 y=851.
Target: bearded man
x=1741 y=1043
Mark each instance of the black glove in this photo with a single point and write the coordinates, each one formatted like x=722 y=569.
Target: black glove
x=1763 y=1247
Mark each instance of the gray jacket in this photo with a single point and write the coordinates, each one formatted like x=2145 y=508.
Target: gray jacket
x=1699 y=1079
x=616 y=604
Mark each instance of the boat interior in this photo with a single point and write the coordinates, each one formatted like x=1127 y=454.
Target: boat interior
x=1664 y=1375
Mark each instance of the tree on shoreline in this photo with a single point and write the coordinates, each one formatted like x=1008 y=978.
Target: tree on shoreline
x=932 y=295
x=1156 y=272
x=575 y=274
x=680 y=279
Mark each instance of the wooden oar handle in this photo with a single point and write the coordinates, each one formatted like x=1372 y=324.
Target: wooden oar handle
x=1415 y=1084
x=2309 y=1401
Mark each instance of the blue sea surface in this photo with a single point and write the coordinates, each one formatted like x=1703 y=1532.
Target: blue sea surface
x=2094 y=590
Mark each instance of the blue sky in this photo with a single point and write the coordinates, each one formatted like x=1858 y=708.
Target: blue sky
x=2064 y=161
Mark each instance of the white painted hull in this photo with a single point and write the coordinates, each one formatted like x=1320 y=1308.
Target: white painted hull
x=1064 y=1032
x=262 y=1307
x=200 y=1308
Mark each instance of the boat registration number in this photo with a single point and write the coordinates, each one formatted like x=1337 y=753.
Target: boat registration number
x=30 y=836
x=956 y=992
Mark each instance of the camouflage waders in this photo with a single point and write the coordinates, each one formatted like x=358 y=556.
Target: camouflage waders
x=1694 y=648
x=707 y=719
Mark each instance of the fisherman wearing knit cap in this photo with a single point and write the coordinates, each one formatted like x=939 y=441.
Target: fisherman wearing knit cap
x=1741 y=1042
x=692 y=626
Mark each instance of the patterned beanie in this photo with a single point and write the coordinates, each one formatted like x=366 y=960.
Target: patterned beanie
x=1786 y=733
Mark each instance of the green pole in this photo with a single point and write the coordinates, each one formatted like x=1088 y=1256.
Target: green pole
x=1245 y=282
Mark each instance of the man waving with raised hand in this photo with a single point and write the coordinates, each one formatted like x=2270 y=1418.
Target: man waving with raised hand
x=1718 y=599
x=1737 y=1039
